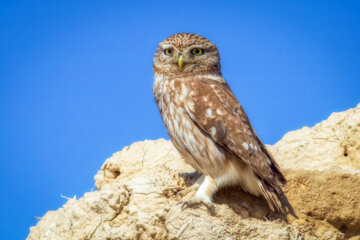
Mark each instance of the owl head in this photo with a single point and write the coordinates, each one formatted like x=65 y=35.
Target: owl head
x=185 y=54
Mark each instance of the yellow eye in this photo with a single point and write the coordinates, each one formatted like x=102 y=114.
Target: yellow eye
x=197 y=51
x=168 y=51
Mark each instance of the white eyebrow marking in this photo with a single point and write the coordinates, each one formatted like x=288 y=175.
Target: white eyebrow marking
x=164 y=45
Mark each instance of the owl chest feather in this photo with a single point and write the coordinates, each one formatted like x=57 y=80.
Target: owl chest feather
x=198 y=149
x=170 y=95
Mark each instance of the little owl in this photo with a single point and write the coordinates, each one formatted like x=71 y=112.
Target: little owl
x=207 y=124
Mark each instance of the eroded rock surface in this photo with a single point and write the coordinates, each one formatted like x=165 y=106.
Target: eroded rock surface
x=140 y=186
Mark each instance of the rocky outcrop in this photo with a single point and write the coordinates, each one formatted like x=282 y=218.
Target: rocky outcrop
x=332 y=145
x=140 y=186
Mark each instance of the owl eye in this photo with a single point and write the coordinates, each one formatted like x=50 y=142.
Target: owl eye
x=197 y=51
x=168 y=51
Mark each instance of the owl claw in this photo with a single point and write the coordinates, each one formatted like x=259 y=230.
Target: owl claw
x=197 y=199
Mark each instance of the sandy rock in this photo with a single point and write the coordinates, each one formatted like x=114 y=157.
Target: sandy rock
x=139 y=189
x=332 y=145
x=80 y=219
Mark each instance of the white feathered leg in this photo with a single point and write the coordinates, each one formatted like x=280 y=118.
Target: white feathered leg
x=204 y=194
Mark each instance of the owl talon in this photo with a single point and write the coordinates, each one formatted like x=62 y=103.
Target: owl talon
x=196 y=200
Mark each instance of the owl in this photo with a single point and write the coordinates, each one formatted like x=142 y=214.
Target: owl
x=207 y=124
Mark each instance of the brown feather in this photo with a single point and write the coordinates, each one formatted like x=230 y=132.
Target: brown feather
x=234 y=128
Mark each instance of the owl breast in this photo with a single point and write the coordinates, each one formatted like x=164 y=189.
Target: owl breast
x=198 y=149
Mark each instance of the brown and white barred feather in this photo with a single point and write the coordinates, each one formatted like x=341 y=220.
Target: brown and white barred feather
x=207 y=124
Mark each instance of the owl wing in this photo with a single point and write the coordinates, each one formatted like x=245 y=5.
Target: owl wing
x=214 y=108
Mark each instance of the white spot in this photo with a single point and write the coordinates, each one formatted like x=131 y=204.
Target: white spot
x=208 y=112
x=251 y=146
x=176 y=98
x=163 y=88
x=171 y=128
x=202 y=149
x=158 y=78
x=167 y=98
x=268 y=161
x=191 y=106
x=246 y=145
x=192 y=144
x=191 y=115
x=218 y=111
x=184 y=90
x=205 y=98
x=188 y=125
x=191 y=138
x=176 y=127
x=172 y=108
x=213 y=131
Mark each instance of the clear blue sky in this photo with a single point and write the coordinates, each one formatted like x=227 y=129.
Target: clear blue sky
x=76 y=79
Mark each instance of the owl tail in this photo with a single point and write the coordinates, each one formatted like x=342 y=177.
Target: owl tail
x=276 y=199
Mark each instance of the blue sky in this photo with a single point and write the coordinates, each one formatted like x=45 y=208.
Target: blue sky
x=76 y=79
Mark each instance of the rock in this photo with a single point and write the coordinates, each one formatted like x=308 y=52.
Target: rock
x=81 y=219
x=140 y=186
x=332 y=145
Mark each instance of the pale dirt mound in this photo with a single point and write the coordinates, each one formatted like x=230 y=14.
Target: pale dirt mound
x=139 y=187
x=331 y=145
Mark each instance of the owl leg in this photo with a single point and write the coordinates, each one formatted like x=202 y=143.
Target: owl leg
x=204 y=194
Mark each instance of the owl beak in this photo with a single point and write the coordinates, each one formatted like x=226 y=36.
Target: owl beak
x=181 y=61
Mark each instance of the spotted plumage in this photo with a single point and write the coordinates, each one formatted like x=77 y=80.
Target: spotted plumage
x=207 y=124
